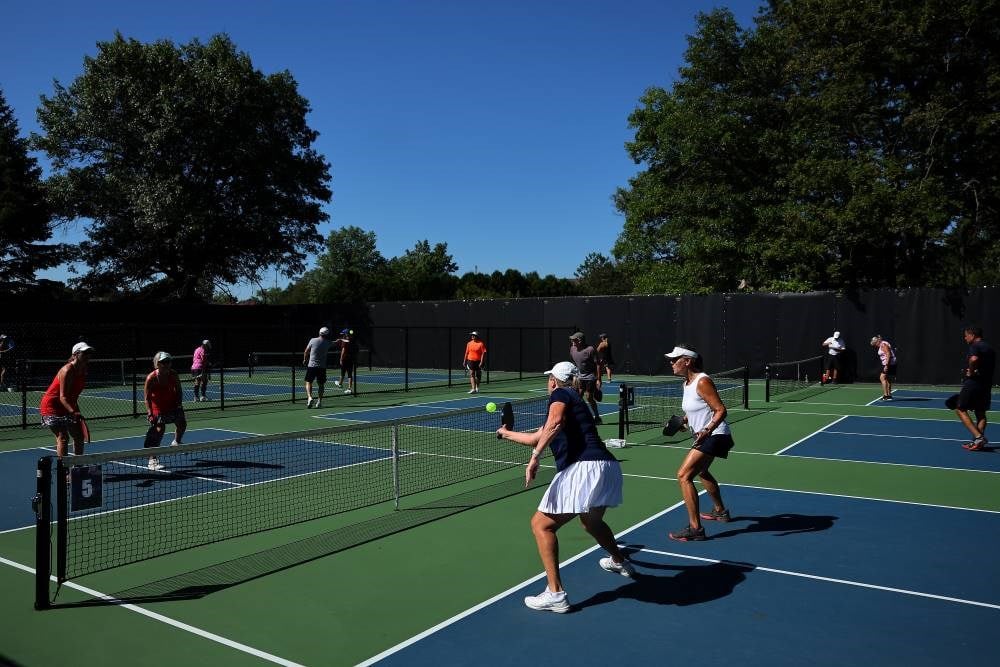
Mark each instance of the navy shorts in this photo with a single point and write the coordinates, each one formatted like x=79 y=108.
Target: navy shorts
x=316 y=374
x=890 y=370
x=716 y=445
x=973 y=396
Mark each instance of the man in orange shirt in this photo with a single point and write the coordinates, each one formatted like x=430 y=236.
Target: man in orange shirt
x=475 y=356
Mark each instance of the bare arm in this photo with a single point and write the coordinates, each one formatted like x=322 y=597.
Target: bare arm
x=708 y=392
x=67 y=375
x=537 y=440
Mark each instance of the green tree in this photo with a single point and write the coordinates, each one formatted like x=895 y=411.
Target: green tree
x=24 y=215
x=424 y=273
x=838 y=144
x=600 y=275
x=196 y=169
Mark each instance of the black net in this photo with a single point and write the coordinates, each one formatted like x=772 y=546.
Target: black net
x=136 y=508
x=794 y=380
x=650 y=404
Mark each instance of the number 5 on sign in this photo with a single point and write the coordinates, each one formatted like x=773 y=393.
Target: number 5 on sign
x=86 y=488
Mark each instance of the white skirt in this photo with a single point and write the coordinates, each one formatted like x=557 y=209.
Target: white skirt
x=583 y=486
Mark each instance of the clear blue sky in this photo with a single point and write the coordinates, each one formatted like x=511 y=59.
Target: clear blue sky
x=496 y=127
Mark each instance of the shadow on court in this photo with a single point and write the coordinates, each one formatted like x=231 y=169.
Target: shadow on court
x=779 y=524
x=692 y=584
x=202 y=582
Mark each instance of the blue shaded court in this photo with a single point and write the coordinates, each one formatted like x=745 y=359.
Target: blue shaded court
x=918 y=442
x=788 y=582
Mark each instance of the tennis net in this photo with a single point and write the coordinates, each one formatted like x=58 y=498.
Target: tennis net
x=116 y=510
x=793 y=380
x=646 y=405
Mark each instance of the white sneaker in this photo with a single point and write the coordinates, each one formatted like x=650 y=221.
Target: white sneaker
x=154 y=464
x=337 y=382
x=548 y=601
x=174 y=443
x=347 y=391
x=472 y=391
x=624 y=568
x=316 y=404
x=309 y=402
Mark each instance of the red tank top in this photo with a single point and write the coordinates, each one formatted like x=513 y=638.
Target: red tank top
x=164 y=395
x=51 y=406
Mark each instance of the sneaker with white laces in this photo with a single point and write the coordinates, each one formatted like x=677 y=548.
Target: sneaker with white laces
x=548 y=601
x=623 y=568
x=154 y=464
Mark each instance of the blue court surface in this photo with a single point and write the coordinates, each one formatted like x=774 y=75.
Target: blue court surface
x=917 y=442
x=787 y=582
x=20 y=466
x=914 y=398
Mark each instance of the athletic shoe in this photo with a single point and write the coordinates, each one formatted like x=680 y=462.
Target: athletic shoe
x=688 y=534
x=316 y=404
x=977 y=445
x=471 y=391
x=337 y=382
x=154 y=464
x=548 y=601
x=347 y=391
x=887 y=398
x=623 y=568
x=716 y=515
x=174 y=443
x=309 y=402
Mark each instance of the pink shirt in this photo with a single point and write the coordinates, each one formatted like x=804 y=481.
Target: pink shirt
x=198 y=362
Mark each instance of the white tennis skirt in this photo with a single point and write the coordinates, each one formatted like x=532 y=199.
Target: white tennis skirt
x=583 y=486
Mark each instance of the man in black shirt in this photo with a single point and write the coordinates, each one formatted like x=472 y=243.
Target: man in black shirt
x=976 y=387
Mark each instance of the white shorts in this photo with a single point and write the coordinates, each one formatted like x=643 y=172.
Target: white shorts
x=583 y=486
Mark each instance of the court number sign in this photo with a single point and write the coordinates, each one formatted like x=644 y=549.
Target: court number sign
x=86 y=485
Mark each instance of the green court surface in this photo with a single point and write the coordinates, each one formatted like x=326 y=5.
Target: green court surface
x=342 y=589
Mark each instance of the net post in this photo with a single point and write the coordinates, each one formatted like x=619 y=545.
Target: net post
x=21 y=377
x=746 y=386
x=222 y=386
x=520 y=353
x=62 y=519
x=294 y=384
x=406 y=358
x=621 y=411
x=250 y=364
x=42 y=506
x=767 y=383
x=395 y=464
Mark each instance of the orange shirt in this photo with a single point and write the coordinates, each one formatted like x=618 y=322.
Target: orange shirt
x=52 y=406
x=475 y=350
x=164 y=395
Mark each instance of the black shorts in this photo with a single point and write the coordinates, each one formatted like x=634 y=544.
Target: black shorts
x=588 y=387
x=716 y=445
x=890 y=370
x=316 y=374
x=833 y=362
x=198 y=373
x=973 y=396
x=347 y=368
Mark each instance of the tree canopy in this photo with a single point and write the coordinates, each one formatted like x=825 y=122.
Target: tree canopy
x=839 y=144
x=196 y=169
x=24 y=215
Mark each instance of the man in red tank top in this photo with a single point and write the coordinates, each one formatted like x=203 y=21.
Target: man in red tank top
x=60 y=407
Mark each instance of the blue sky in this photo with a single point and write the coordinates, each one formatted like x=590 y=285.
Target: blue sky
x=495 y=127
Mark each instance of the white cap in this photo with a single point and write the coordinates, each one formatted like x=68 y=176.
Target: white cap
x=563 y=371
x=324 y=331
x=836 y=334
x=162 y=356
x=205 y=342
x=473 y=333
x=81 y=347
x=681 y=352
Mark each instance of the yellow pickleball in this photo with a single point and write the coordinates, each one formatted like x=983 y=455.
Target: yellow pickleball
x=491 y=407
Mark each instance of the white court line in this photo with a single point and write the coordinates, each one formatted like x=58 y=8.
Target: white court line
x=906 y=437
x=472 y=610
x=816 y=577
x=129 y=437
x=801 y=440
x=205 y=634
